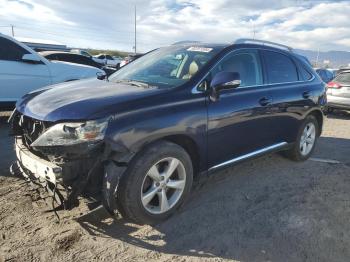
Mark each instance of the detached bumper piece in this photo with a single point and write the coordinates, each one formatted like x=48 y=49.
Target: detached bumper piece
x=53 y=190
x=40 y=172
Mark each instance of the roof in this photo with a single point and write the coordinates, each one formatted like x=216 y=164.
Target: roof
x=262 y=42
x=55 y=52
x=38 y=41
x=201 y=44
x=42 y=44
x=45 y=53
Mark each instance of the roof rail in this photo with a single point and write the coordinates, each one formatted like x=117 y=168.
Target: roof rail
x=263 y=42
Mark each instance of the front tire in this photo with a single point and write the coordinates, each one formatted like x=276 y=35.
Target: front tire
x=306 y=140
x=156 y=182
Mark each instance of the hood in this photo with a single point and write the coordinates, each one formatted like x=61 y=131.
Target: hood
x=65 y=71
x=80 y=100
x=70 y=64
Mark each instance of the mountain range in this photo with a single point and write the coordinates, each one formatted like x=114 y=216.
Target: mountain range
x=329 y=59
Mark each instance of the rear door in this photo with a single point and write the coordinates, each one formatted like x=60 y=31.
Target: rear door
x=17 y=77
x=292 y=94
x=239 y=121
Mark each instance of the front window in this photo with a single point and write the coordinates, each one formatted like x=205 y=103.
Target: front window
x=167 y=67
x=246 y=63
x=11 y=51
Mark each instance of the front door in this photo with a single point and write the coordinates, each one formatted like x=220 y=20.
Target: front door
x=239 y=121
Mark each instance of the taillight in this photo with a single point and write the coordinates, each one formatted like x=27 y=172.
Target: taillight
x=334 y=85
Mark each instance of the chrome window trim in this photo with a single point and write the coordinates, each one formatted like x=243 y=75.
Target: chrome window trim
x=196 y=91
x=249 y=155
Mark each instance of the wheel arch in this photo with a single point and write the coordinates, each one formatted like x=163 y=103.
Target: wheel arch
x=190 y=147
x=123 y=155
x=319 y=117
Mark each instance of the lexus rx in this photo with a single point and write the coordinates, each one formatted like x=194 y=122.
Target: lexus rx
x=138 y=138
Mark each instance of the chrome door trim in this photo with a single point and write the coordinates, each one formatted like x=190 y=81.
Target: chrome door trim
x=249 y=155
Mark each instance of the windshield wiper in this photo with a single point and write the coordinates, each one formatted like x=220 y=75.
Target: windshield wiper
x=134 y=83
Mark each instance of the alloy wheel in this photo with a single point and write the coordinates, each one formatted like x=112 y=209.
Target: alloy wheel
x=163 y=185
x=308 y=138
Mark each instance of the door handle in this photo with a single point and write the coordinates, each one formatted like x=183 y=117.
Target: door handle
x=306 y=94
x=265 y=101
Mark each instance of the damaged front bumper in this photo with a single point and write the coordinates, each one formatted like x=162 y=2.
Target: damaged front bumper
x=37 y=171
x=64 y=181
x=67 y=172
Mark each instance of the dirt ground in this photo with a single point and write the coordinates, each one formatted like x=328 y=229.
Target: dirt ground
x=268 y=209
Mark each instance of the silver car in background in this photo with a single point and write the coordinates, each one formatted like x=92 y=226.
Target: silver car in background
x=338 y=93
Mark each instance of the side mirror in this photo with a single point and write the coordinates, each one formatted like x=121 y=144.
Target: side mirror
x=31 y=58
x=224 y=80
x=101 y=76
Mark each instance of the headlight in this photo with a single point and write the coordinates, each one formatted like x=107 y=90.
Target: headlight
x=73 y=133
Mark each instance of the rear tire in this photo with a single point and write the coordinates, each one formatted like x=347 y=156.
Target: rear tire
x=306 y=140
x=156 y=182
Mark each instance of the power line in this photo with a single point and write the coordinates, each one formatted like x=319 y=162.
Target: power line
x=90 y=37
x=73 y=28
x=84 y=33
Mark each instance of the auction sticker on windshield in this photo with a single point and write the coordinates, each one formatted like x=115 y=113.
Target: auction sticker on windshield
x=199 y=49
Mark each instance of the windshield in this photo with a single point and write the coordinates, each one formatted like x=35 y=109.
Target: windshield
x=166 y=67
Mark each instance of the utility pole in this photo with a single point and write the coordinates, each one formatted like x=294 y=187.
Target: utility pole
x=13 y=31
x=253 y=28
x=318 y=55
x=254 y=31
x=135 y=31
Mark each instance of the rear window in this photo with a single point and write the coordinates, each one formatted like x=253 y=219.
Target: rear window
x=280 y=68
x=343 y=78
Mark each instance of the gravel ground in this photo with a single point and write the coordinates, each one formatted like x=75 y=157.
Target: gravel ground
x=268 y=209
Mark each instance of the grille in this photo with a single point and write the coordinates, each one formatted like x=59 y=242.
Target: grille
x=31 y=128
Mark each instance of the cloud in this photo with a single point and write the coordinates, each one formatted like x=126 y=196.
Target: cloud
x=110 y=24
x=17 y=9
x=28 y=5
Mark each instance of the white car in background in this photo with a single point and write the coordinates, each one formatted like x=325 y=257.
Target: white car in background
x=107 y=60
x=22 y=70
x=81 y=52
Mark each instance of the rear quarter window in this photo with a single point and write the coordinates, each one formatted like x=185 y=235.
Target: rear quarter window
x=304 y=74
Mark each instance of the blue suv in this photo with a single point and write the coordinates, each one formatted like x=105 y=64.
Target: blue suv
x=135 y=140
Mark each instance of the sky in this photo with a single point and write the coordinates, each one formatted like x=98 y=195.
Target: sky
x=109 y=24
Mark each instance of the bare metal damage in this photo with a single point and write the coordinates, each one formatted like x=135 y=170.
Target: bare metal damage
x=66 y=172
